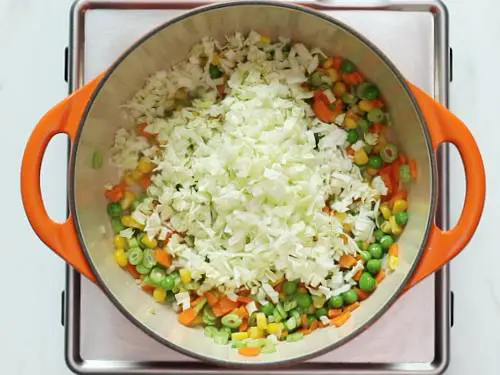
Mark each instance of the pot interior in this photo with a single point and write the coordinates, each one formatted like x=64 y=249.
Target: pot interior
x=171 y=44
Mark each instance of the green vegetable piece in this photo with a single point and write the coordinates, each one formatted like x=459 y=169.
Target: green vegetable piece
x=157 y=275
x=239 y=344
x=375 y=161
x=114 y=209
x=379 y=234
x=168 y=282
x=132 y=242
x=368 y=91
x=316 y=79
x=389 y=153
x=375 y=115
x=281 y=311
x=208 y=317
x=376 y=250
x=386 y=241
x=295 y=314
x=364 y=125
x=335 y=302
x=148 y=258
x=226 y=330
x=214 y=71
x=349 y=98
x=289 y=304
x=276 y=316
x=310 y=320
x=134 y=256
x=117 y=225
x=318 y=301
x=221 y=338
x=210 y=331
x=290 y=287
x=97 y=160
x=352 y=136
x=142 y=270
x=349 y=297
x=304 y=300
x=347 y=66
x=291 y=324
x=231 y=321
x=170 y=296
x=373 y=266
x=266 y=349
x=367 y=282
x=405 y=173
x=321 y=312
x=267 y=309
x=365 y=255
x=401 y=218
x=297 y=336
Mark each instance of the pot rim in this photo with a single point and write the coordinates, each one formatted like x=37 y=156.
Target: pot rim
x=380 y=311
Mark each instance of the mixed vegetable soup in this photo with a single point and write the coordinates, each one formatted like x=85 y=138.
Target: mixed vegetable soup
x=262 y=193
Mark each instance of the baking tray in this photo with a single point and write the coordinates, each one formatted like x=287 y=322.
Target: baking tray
x=412 y=338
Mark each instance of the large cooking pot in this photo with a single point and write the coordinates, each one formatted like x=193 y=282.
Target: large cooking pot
x=91 y=115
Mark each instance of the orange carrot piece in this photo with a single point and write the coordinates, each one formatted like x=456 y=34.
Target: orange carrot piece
x=413 y=168
x=352 y=307
x=333 y=313
x=347 y=261
x=164 y=258
x=140 y=130
x=402 y=158
x=380 y=276
x=337 y=61
x=341 y=319
x=245 y=300
x=198 y=300
x=115 y=194
x=249 y=352
x=144 y=181
x=322 y=110
x=279 y=287
x=303 y=320
x=362 y=295
x=212 y=298
x=394 y=249
x=148 y=288
x=357 y=275
x=224 y=306
x=378 y=103
x=187 y=316
x=244 y=292
x=241 y=312
x=377 y=128
x=131 y=270
x=314 y=325
x=197 y=321
x=243 y=325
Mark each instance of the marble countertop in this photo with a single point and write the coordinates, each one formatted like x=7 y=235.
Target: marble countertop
x=33 y=35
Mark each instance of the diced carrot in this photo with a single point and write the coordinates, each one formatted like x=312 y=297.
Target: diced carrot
x=321 y=108
x=350 y=151
x=284 y=334
x=401 y=194
x=389 y=182
x=377 y=128
x=140 y=130
x=347 y=261
x=402 y=158
x=243 y=325
x=394 y=249
x=304 y=331
x=187 y=316
x=249 y=352
x=413 y=168
x=115 y=194
x=352 y=307
x=148 y=288
x=224 y=306
x=197 y=321
x=378 y=103
x=162 y=257
x=362 y=295
x=144 y=181
x=279 y=287
x=245 y=300
x=212 y=298
x=341 y=319
x=243 y=292
x=380 y=276
x=333 y=313
x=241 y=312
x=314 y=325
x=337 y=61
x=131 y=269
x=198 y=300
x=303 y=320
x=357 y=275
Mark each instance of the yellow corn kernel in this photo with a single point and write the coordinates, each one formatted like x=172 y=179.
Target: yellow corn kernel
x=372 y=171
x=185 y=275
x=159 y=294
x=275 y=328
x=400 y=205
x=261 y=320
x=265 y=39
x=238 y=336
x=395 y=227
x=386 y=227
x=255 y=333
x=145 y=166
x=127 y=178
x=341 y=216
x=127 y=200
x=216 y=59
x=385 y=211
x=128 y=221
x=121 y=257
x=393 y=262
x=135 y=175
x=360 y=157
x=339 y=88
x=347 y=228
x=350 y=123
x=151 y=243
x=333 y=74
x=365 y=105
x=119 y=242
x=278 y=281
x=328 y=63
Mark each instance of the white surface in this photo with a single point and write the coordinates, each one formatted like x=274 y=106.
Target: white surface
x=32 y=38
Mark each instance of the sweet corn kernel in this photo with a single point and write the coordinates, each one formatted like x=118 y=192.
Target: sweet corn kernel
x=128 y=180
x=278 y=281
x=121 y=257
x=339 y=88
x=333 y=74
x=216 y=59
x=365 y=105
x=238 y=336
x=185 y=275
x=347 y=228
x=135 y=175
x=350 y=123
x=261 y=320
x=371 y=171
x=265 y=39
x=127 y=200
x=151 y=243
x=255 y=333
x=341 y=216
x=385 y=211
x=119 y=242
x=328 y=63
x=393 y=262
x=275 y=328
x=360 y=157
x=395 y=227
x=159 y=294
x=128 y=221
x=400 y=205
x=386 y=227
x=145 y=166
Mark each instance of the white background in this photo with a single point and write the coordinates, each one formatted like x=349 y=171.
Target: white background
x=33 y=34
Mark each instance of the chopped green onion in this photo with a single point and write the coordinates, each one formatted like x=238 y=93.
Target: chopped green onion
x=142 y=270
x=290 y=304
x=389 y=153
x=135 y=255
x=210 y=331
x=297 y=336
x=231 y=321
x=405 y=173
x=281 y=310
x=208 y=317
x=132 y=242
x=295 y=314
x=276 y=315
x=291 y=324
x=157 y=275
x=149 y=259
x=221 y=338
x=97 y=159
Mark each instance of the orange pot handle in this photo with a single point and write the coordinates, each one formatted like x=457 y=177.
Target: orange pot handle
x=63 y=118
x=444 y=245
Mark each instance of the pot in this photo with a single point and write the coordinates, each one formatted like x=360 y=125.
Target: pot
x=91 y=115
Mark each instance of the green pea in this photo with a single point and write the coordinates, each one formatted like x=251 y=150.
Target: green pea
x=364 y=125
x=370 y=91
x=347 y=66
x=316 y=79
x=375 y=161
x=168 y=282
x=373 y=266
x=114 y=209
x=335 y=302
x=386 y=241
x=352 y=136
x=267 y=309
x=310 y=320
x=365 y=255
x=117 y=225
x=376 y=250
x=304 y=300
x=401 y=218
x=349 y=98
x=379 y=234
x=321 y=312
x=375 y=115
x=214 y=71
x=290 y=287
x=367 y=282
x=349 y=297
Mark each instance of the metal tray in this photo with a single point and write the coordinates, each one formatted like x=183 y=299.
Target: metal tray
x=412 y=338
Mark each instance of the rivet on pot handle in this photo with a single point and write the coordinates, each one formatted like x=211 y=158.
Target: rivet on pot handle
x=444 y=245
x=63 y=118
